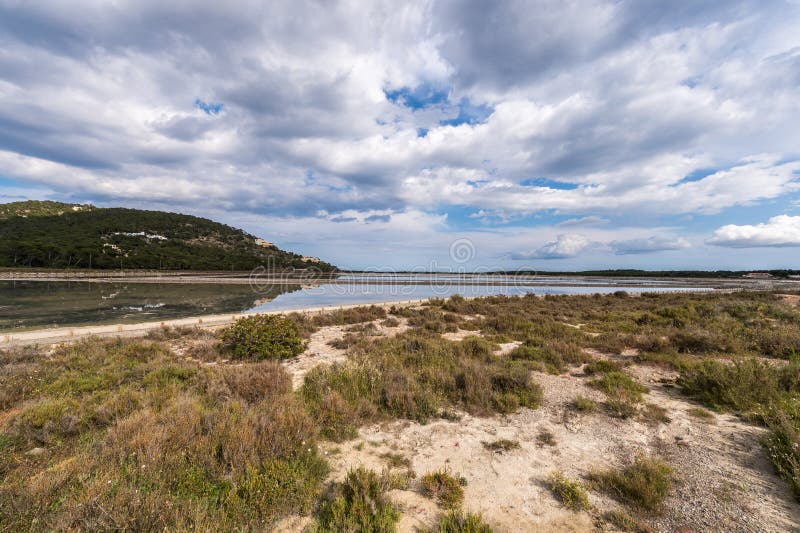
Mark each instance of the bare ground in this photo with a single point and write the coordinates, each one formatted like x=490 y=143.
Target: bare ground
x=725 y=482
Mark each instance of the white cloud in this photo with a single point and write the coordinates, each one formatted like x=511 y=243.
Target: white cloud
x=648 y=245
x=584 y=221
x=566 y=245
x=782 y=230
x=613 y=107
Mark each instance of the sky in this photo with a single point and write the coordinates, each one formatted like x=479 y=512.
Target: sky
x=428 y=135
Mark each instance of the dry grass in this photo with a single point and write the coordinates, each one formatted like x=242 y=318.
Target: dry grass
x=134 y=437
x=644 y=483
x=444 y=488
x=570 y=493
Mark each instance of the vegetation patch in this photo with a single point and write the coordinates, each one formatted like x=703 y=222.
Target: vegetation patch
x=624 y=522
x=584 y=404
x=645 y=483
x=416 y=375
x=444 y=488
x=570 y=493
x=358 y=504
x=501 y=445
x=461 y=522
x=545 y=438
x=264 y=337
x=702 y=414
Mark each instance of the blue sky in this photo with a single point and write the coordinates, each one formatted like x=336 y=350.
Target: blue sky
x=549 y=135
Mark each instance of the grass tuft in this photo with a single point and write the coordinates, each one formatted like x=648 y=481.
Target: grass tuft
x=645 y=483
x=570 y=493
x=460 y=522
x=444 y=488
x=358 y=504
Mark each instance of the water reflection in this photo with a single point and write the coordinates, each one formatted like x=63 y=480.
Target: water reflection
x=26 y=304
x=30 y=304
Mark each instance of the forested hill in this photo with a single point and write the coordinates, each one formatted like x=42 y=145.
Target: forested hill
x=57 y=235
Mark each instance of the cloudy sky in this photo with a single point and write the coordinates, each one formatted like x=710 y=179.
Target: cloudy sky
x=542 y=134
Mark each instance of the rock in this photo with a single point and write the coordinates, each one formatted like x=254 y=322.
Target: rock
x=36 y=451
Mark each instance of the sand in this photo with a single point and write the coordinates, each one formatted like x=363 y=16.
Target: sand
x=725 y=481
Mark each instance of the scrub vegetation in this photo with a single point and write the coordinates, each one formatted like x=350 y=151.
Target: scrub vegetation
x=135 y=434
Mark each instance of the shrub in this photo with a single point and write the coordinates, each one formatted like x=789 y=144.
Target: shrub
x=585 y=405
x=624 y=522
x=699 y=412
x=390 y=322
x=555 y=354
x=743 y=386
x=418 y=376
x=783 y=447
x=619 y=385
x=570 y=493
x=621 y=408
x=645 y=482
x=460 y=522
x=264 y=337
x=358 y=504
x=602 y=366
x=251 y=383
x=655 y=414
x=545 y=438
x=443 y=488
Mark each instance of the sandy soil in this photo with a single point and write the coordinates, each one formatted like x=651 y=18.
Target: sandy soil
x=724 y=479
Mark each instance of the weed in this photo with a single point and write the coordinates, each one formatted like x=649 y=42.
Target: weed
x=396 y=460
x=460 y=522
x=501 y=445
x=619 y=385
x=702 y=414
x=602 y=366
x=624 y=522
x=570 y=493
x=358 y=504
x=584 y=404
x=545 y=438
x=655 y=414
x=645 y=482
x=444 y=488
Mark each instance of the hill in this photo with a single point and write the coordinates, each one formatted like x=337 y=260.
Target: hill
x=39 y=208
x=58 y=235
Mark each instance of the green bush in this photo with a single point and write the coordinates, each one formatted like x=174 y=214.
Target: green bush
x=783 y=447
x=570 y=493
x=645 y=482
x=443 y=488
x=602 y=366
x=584 y=404
x=618 y=385
x=264 y=337
x=460 y=522
x=358 y=504
x=744 y=386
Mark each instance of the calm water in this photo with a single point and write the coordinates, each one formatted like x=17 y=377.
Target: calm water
x=29 y=304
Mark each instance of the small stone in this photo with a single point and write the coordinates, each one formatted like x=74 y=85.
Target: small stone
x=36 y=451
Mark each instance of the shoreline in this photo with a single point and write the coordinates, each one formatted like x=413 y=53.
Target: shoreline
x=59 y=334
x=56 y=335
